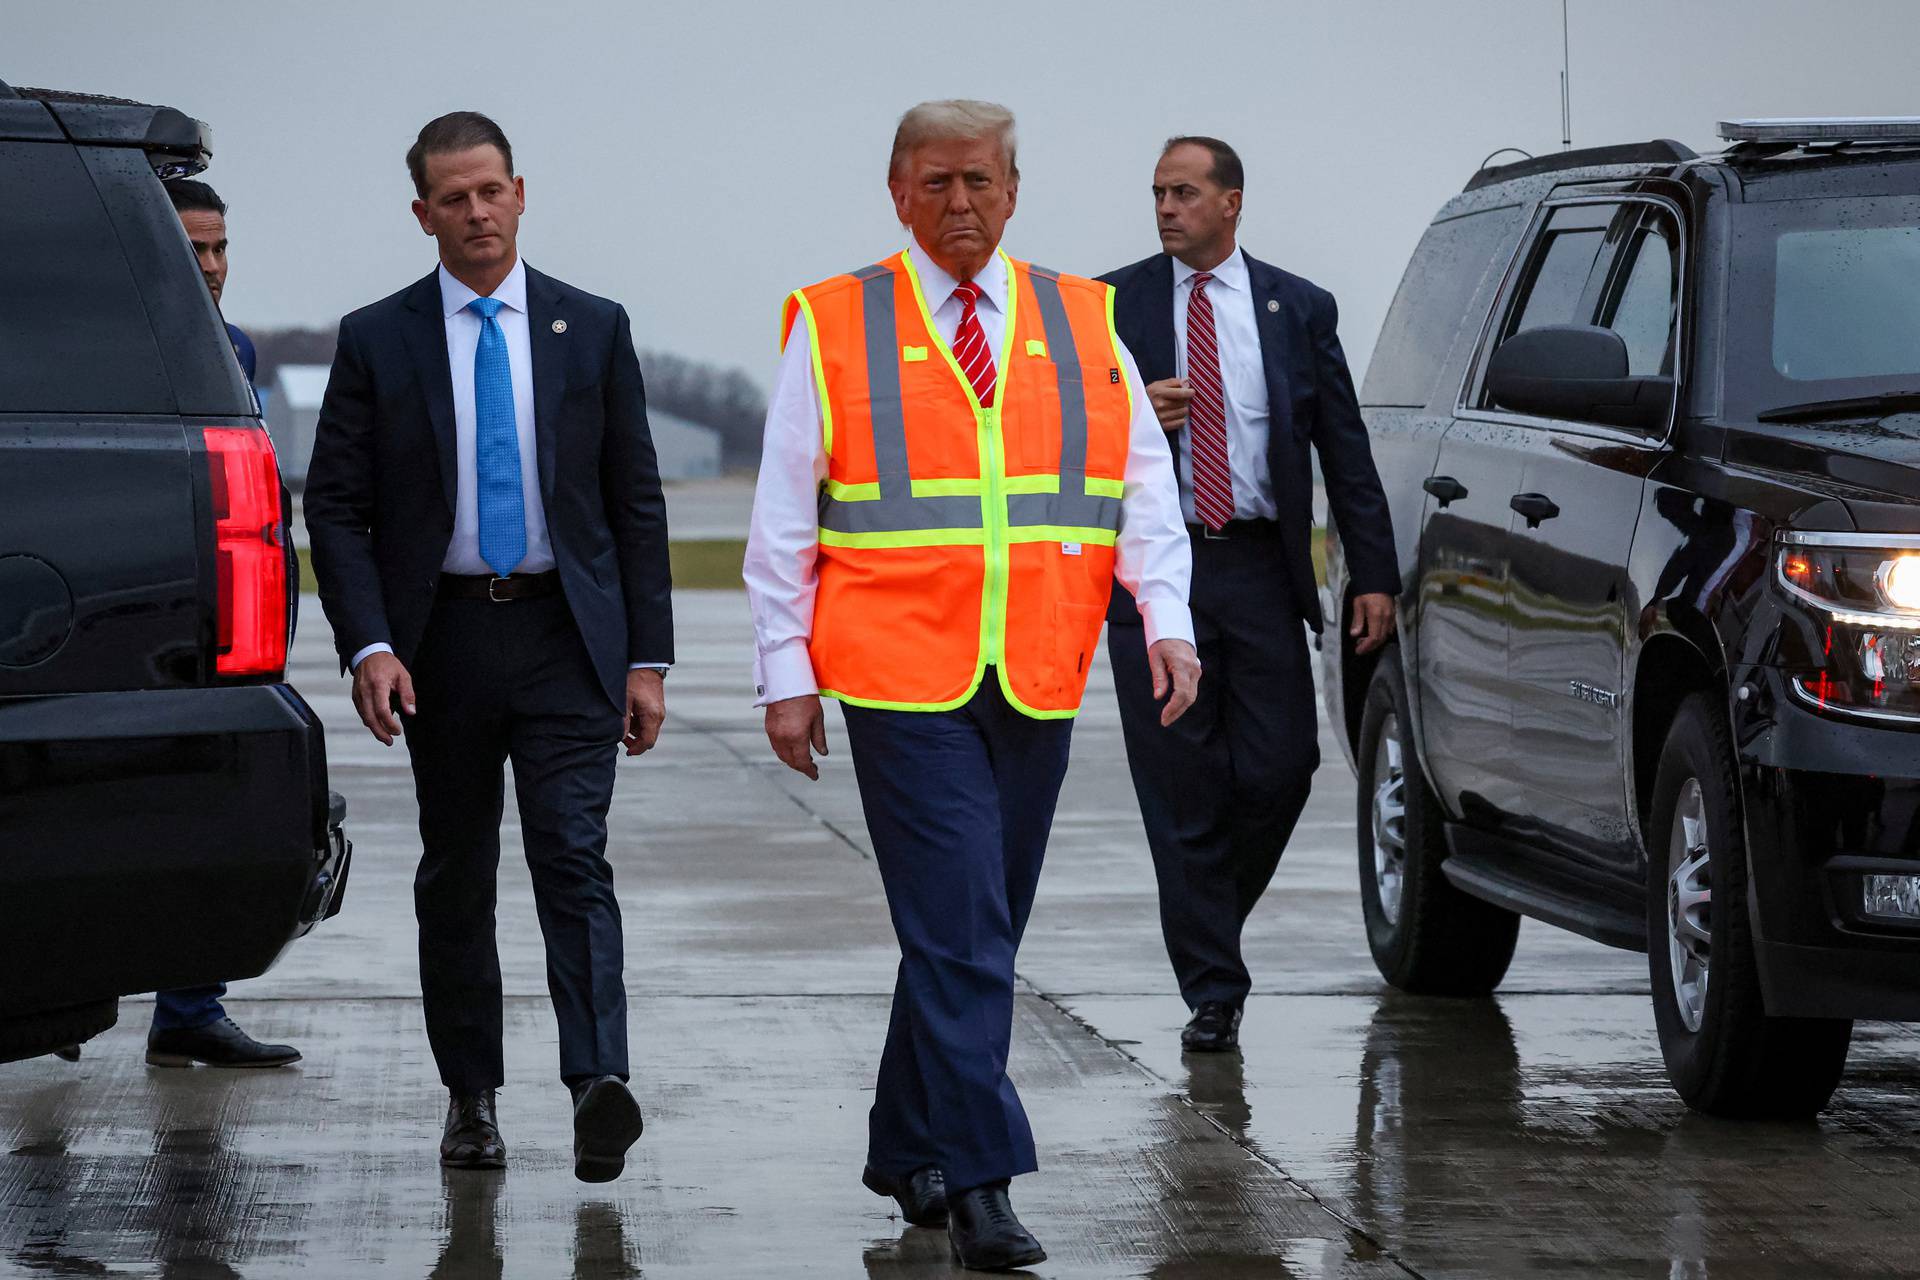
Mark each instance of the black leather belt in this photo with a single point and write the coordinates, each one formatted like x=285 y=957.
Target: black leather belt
x=1236 y=529
x=521 y=586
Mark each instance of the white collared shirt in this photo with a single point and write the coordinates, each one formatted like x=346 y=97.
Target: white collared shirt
x=463 y=342
x=1153 y=557
x=1243 y=382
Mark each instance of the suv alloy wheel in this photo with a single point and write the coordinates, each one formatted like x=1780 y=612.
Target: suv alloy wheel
x=1426 y=936
x=1725 y=1056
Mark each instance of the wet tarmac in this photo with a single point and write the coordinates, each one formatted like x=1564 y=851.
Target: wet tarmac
x=1361 y=1134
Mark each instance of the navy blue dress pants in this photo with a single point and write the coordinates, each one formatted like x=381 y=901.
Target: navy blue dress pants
x=1221 y=788
x=188 y=1007
x=959 y=804
x=499 y=683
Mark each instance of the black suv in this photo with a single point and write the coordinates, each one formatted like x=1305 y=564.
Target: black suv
x=1650 y=426
x=164 y=813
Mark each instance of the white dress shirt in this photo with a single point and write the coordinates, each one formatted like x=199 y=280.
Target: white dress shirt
x=463 y=342
x=1243 y=382
x=1153 y=557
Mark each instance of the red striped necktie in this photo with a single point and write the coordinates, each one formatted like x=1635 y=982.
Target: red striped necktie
x=1206 y=412
x=970 y=345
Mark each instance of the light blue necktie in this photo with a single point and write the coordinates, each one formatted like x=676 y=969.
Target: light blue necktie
x=496 y=446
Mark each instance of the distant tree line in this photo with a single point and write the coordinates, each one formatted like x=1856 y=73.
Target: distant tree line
x=724 y=399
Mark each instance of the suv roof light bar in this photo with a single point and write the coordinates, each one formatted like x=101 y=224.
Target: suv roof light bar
x=1828 y=129
x=1660 y=151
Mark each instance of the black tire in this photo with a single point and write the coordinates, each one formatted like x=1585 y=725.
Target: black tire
x=1737 y=1061
x=1436 y=940
x=29 y=1035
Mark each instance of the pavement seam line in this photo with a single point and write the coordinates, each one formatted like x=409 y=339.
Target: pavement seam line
x=798 y=803
x=1352 y=1227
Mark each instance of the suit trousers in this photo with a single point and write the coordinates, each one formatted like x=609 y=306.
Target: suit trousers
x=959 y=804
x=1221 y=789
x=188 y=1007
x=498 y=683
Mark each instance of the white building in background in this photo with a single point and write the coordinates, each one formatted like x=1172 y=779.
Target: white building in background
x=687 y=451
x=293 y=407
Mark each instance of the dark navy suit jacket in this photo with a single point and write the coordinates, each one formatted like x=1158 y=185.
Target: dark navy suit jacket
x=380 y=489
x=1312 y=406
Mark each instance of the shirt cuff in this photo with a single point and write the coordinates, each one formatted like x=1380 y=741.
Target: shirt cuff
x=380 y=647
x=661 y=667
x=782 y=672
x=1166 y=620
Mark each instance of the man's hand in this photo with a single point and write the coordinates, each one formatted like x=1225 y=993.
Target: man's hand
x=378 y=682
x=797 y=728
x=1169 y=397
x=1372 y=621
x=646 y=709
x=1175 y=667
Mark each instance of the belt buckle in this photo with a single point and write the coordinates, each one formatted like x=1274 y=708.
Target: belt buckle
x=1211 y=534
x=491 y=595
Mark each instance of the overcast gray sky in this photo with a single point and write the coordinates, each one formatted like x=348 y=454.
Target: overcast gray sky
x=698 y=160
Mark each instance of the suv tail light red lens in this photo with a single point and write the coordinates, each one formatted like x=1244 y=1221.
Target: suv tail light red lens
x=249 y=553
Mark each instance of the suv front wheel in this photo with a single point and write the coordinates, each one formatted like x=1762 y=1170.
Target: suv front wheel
x=1426 y=935
x=1725 y=1056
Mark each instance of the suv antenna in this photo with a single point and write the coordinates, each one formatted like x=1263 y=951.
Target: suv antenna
x=1566 y=77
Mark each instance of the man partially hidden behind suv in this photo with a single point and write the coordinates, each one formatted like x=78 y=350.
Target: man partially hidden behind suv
x=189 y=1025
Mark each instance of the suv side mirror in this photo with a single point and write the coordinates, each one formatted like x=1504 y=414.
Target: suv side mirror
x=1576 y=371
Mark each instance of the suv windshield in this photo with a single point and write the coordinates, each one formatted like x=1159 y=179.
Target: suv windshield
x=1825 y=302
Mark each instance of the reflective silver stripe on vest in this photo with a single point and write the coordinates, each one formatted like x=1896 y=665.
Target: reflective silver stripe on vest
x=896 y=509
x=1073 y=505
x=883 y=382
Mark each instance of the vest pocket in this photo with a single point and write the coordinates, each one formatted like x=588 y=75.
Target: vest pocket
x=1076 y=633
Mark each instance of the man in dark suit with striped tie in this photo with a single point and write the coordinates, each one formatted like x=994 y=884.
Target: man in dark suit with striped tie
x=1244 y=367
x=491 y=544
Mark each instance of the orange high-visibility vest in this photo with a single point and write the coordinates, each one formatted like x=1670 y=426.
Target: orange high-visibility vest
x=955 y=537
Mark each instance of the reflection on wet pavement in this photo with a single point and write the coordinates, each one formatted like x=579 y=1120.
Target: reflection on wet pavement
x=1361 y=1133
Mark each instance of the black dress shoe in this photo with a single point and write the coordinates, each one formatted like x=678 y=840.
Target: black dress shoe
x=984 y=1234
x=606 y=1121
x=922 y=1194
x=220 y=1043
x=1214 y=1028
x=472 y=1138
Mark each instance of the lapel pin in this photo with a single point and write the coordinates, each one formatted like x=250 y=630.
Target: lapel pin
x=560 y=326
x=1273 y=304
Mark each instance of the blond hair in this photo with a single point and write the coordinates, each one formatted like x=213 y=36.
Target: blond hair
x=953 y=120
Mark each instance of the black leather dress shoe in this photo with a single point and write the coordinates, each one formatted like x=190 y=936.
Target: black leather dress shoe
x=218 y=1044
x=984 y=1234
x=606 y=1121
x=1214 y=1028
x=472 y=1138
x=922 y=1194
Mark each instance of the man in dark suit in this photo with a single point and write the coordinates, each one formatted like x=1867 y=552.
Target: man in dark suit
x=491 y=544
x=1244 y=368
x=189 y=1023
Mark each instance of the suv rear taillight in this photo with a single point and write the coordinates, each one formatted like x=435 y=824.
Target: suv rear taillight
x=249 y=553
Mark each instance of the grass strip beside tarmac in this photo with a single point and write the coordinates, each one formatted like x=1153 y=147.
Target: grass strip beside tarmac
x=715 y=562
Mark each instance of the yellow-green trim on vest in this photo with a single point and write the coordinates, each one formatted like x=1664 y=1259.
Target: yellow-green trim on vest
x=819 y=369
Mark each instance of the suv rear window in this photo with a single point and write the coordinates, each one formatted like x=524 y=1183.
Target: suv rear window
x=72 y=329
x=1427 y=312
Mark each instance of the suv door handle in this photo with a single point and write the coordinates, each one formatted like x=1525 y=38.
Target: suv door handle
x=1534 y=506
x=1444 y=488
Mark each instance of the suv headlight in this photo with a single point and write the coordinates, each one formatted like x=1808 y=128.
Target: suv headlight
x=1864 y=593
